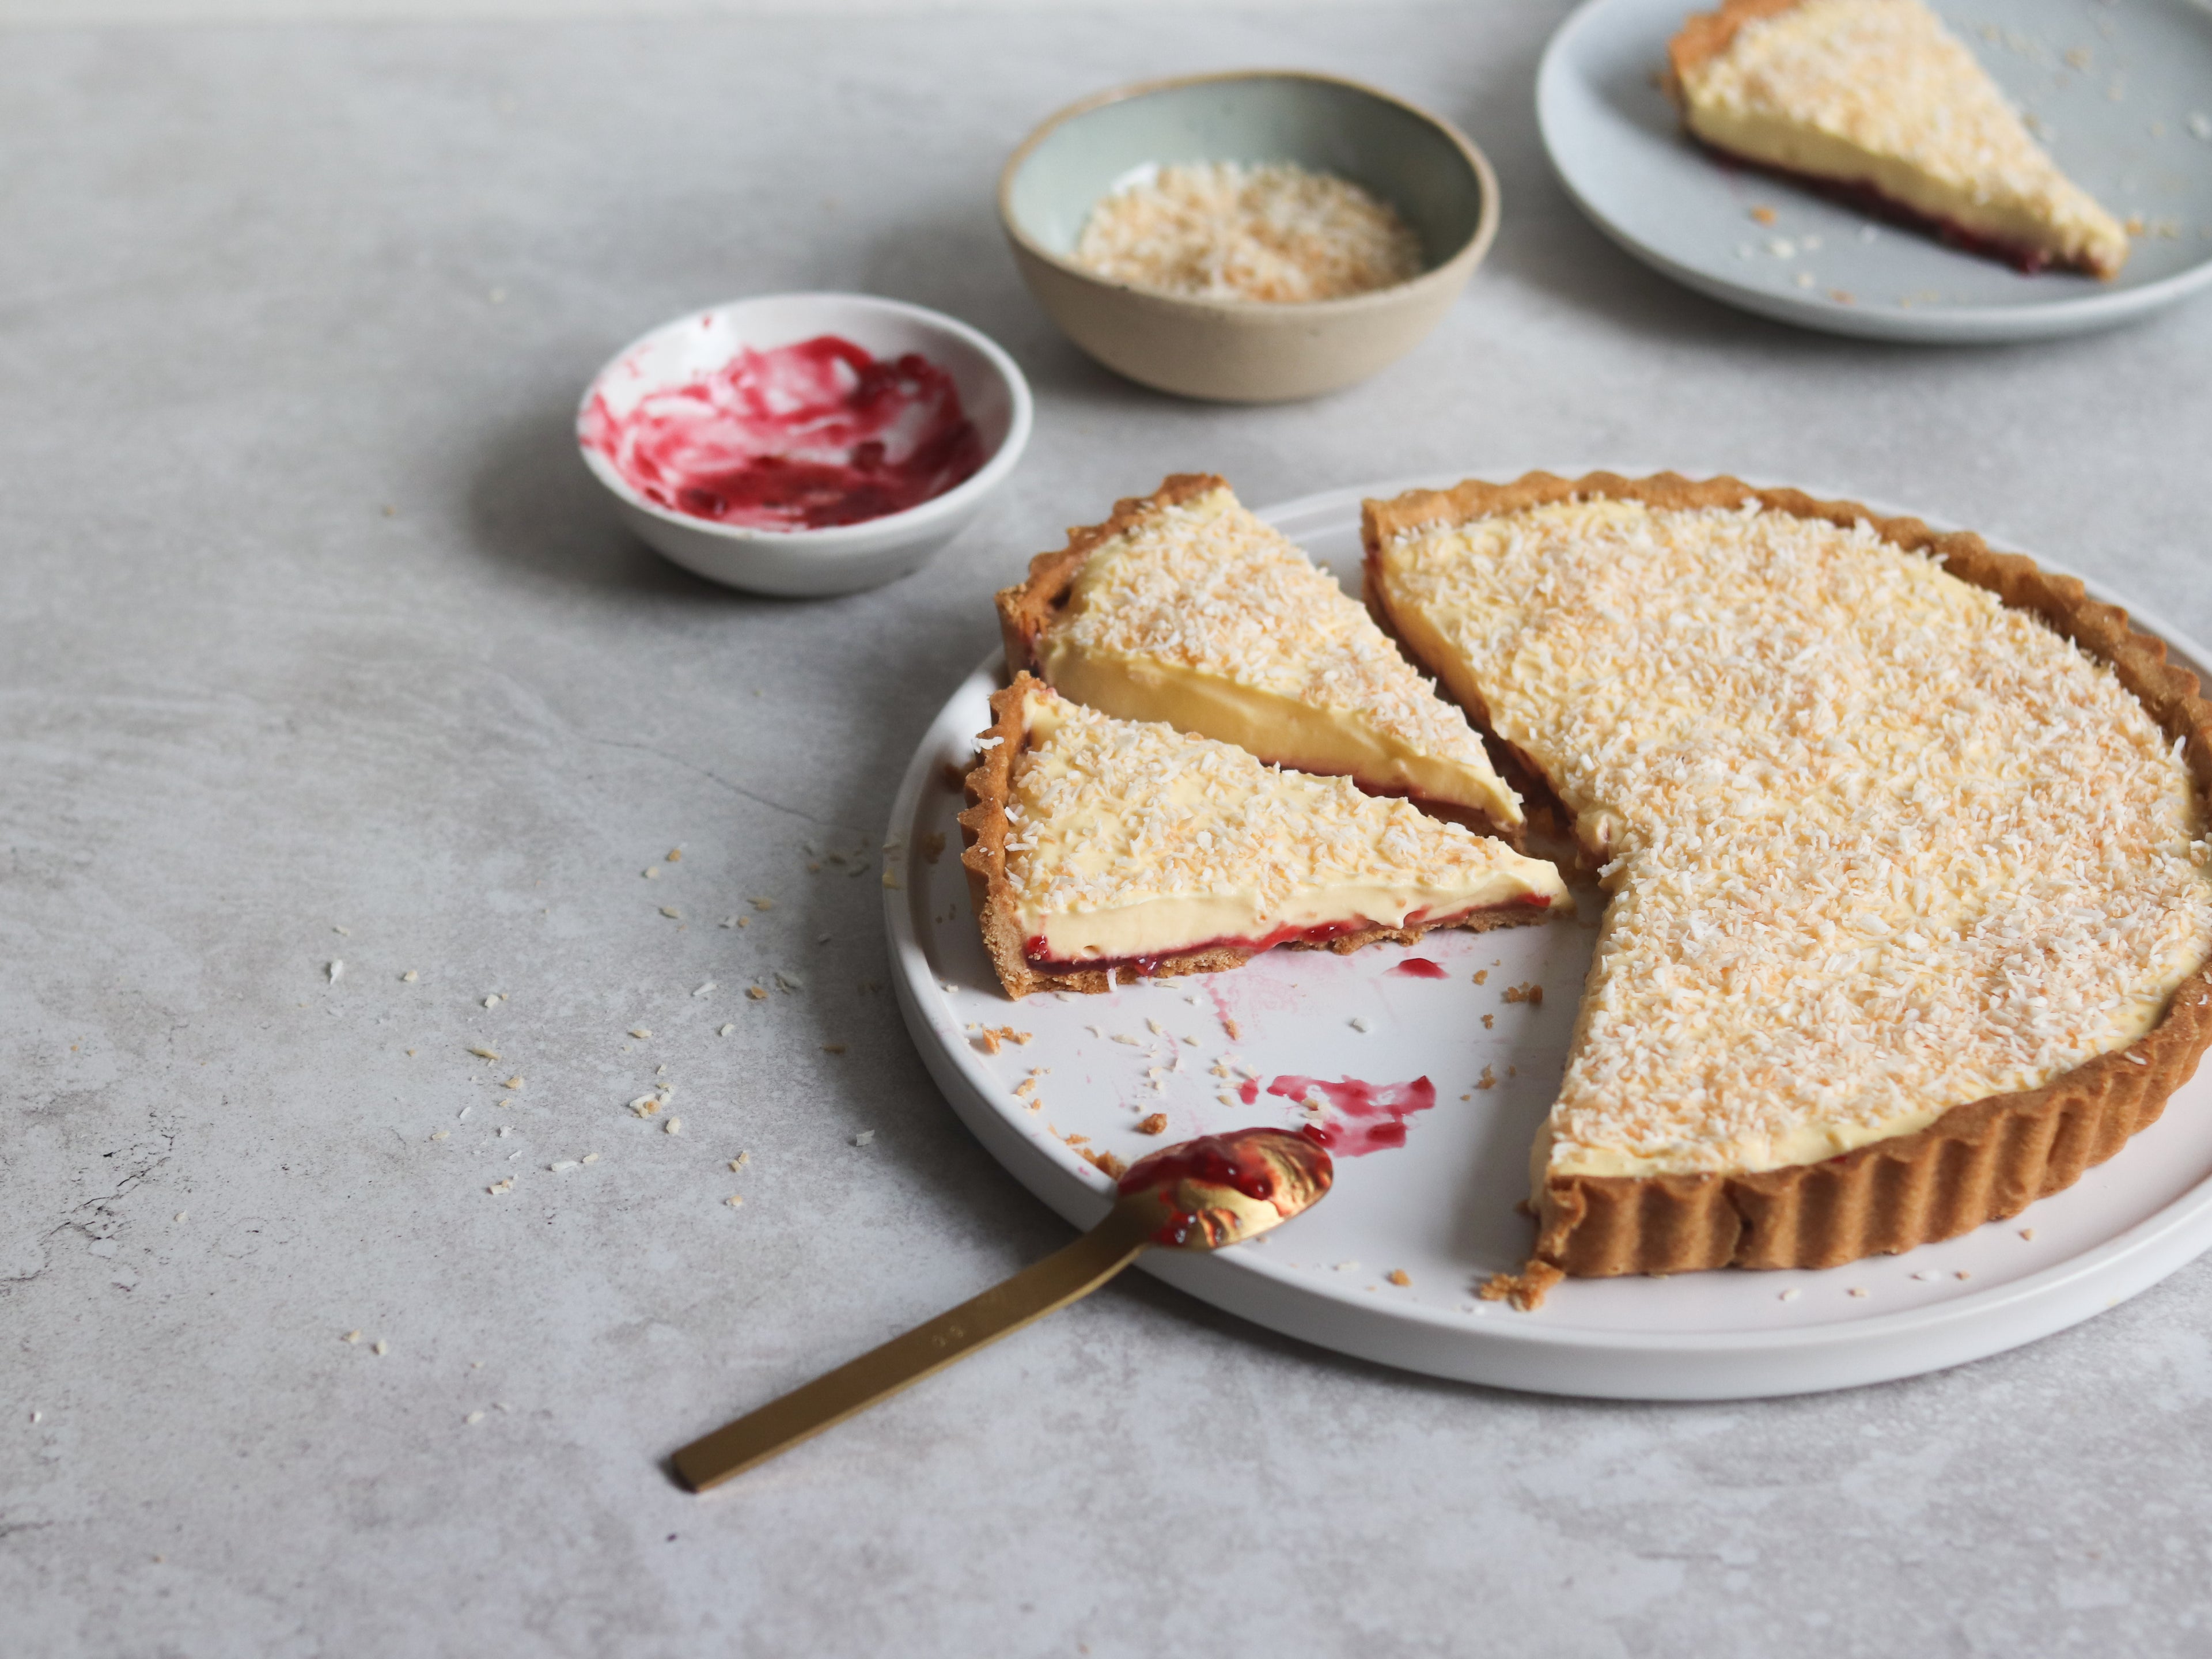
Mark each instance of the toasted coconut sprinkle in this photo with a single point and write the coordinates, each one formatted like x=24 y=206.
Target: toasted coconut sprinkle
x=1204 y=584
x=1225 y=231
x=1108 y=813
x=1880 y=845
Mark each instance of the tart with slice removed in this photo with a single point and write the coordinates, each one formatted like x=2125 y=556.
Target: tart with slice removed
x=1099 y=848
x=1875 y=99
x=1904 y=840
x=1183 y=607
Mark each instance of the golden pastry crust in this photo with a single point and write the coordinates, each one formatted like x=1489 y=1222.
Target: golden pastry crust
x=1978 y=1162
x=1706 y=34
x=1027 y=609
x=984 y=829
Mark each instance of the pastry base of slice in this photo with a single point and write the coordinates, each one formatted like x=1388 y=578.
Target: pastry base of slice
x=1978 y=1162
x=2026 y=258
x=987 y=828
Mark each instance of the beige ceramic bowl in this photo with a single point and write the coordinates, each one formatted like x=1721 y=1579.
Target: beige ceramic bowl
x=1243 y=351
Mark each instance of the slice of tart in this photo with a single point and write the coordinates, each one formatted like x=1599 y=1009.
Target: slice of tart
x=1100 y=848
x=1875 y=99
x=1185 y=608
x=1905 y=838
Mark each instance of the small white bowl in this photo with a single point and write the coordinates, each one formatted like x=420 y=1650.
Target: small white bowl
x=841 y=558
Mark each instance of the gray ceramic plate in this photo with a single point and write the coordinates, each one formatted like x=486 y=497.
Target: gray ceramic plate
x=1620 y=148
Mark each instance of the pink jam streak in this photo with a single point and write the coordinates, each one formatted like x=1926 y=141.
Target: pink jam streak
x=1419 y=968
x=1036 y=945
x=1381 y=1107
x=800 y=437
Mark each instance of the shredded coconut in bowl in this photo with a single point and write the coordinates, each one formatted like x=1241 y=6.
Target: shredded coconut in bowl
x=1275 y=232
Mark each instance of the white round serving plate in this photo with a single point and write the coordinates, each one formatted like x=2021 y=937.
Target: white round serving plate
x=1618 y=144
x=1440 y=1210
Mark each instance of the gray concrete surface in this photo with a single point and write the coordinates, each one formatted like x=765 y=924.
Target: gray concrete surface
x=319 y=647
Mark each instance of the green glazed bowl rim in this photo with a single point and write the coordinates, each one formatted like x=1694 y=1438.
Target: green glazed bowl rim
x=1449 y=272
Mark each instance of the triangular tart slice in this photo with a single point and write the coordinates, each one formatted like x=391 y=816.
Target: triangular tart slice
x=1876 y=100
x=1100 y=848
x=1183 y=607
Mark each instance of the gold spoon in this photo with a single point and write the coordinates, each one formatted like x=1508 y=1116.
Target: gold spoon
x=1199 y=1196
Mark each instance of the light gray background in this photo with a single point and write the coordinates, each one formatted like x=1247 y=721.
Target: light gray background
x=258 y=284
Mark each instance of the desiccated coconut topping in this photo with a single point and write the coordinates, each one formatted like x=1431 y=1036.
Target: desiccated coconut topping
x=1879 y=844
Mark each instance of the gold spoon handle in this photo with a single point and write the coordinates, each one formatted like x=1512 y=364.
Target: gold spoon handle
x=1059 y=1278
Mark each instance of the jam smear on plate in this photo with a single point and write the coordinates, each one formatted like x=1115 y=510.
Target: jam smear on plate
x=1419 y=968
x=1377 y=1111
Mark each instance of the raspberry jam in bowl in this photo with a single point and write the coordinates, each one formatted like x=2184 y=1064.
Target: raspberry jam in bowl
x=805 y=443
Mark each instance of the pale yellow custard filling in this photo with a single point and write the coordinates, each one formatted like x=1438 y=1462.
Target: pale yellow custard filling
x=1878 y=93
x=1130 y=840
x=1878 y=845
x=1203 y=616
